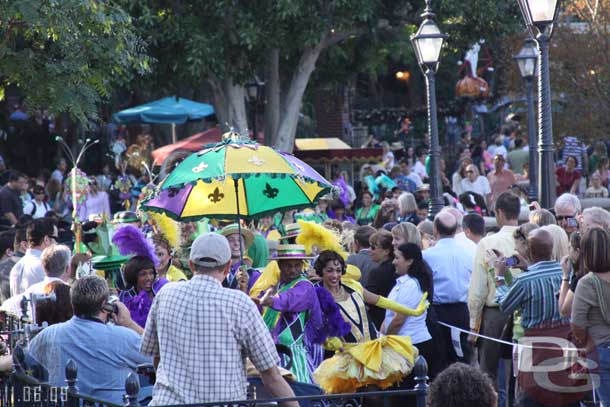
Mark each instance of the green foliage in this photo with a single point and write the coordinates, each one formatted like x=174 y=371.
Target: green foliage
x=67 y=55
x=203 y=39
x=465 y=23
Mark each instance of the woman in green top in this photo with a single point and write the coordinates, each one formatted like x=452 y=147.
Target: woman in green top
x=365 y=215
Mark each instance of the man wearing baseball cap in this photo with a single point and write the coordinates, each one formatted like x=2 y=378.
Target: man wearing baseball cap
x=198 y=332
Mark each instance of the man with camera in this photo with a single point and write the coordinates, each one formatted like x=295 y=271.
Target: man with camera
x=567 y=210
x=104 y=354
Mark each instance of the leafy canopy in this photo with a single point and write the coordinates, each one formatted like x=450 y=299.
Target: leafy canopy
x=67 y=55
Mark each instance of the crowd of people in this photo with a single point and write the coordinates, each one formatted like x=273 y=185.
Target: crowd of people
x=348 y=292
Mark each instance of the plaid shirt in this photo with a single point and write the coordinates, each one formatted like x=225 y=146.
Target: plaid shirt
x=203 y=334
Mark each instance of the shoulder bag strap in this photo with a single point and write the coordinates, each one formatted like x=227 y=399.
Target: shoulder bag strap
x=600 y=298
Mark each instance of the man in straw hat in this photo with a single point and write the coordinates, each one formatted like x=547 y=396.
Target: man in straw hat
x=239 y=277
x=291 y=309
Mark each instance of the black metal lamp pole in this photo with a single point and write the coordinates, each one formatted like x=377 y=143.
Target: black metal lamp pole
x=532 y=142
x=427 y=43
x=526 y=61
x=436 y=190
x=540 y=17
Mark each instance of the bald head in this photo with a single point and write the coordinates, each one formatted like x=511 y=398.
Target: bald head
x=445 y=224
x=459 y=217
x=540 y=243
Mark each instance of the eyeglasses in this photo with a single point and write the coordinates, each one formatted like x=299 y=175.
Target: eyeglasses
x=469 y=172
x=560 y=218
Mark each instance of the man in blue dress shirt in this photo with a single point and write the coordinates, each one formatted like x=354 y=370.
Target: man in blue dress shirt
x=451 y=267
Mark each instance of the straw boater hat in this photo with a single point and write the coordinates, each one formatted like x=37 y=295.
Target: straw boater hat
x=288 y=231
x=125 y=217
x=291 y=252
x=233 y=229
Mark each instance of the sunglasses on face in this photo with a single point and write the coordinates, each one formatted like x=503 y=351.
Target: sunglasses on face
x=561 y=218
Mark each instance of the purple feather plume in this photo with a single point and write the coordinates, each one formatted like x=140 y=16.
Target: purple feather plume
x=130 y=240
x=337 y=326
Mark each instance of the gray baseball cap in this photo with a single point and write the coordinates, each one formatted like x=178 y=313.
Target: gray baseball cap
x=210 y=250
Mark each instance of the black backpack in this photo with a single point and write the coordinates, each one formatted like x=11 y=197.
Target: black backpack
x=33 y=211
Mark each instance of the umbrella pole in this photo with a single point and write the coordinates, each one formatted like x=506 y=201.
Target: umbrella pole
x=241 y=249
x=173 y=133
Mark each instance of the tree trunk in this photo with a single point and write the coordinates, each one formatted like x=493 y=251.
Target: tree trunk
x=283 y=139
x=230 y=105
x=272 y=95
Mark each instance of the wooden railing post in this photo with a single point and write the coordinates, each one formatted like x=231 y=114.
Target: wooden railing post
x=420 y=371
x=132 y=388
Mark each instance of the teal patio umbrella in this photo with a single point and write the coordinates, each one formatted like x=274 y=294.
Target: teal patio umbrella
x=169 y=110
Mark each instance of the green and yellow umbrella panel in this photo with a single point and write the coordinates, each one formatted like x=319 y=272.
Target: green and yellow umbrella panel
x=212 y=182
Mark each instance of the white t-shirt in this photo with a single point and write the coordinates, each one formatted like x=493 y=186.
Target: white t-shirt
x=479 y=186
x=389 y=157
x=420 y=169
x=35 y=209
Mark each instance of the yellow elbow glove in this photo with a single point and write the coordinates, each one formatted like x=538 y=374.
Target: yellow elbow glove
x=333 y=344
x=401 y=309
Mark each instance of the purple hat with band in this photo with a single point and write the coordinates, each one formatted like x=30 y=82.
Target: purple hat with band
x=291 y=251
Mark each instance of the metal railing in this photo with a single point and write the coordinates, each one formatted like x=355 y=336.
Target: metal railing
x=22 y=390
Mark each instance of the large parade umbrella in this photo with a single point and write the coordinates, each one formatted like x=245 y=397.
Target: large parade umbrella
x=237 y=180
x=170 y=110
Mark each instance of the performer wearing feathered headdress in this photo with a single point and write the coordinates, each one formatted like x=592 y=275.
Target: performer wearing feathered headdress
x=166 y=241
x=139 y=272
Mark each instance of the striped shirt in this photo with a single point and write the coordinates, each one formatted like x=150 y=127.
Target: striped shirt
x=533 y=292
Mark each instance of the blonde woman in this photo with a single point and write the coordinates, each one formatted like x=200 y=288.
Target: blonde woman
x=561 y=243
x=476 y=183
x=426 y=230
x=407 y=208
x=405 y=233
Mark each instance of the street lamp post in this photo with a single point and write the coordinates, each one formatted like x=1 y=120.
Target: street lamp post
x=427 y=43
x=540 y=17
x=526 y=61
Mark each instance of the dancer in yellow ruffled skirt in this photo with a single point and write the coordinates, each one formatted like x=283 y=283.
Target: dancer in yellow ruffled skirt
x=361 y=358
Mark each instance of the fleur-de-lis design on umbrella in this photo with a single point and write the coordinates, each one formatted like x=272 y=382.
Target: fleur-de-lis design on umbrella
x=200 y=168
x=270 y=192
x=217 y=196
x=254 y=160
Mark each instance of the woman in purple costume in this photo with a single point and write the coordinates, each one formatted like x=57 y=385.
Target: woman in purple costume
x=142 y=285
